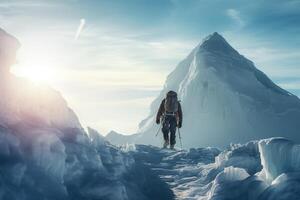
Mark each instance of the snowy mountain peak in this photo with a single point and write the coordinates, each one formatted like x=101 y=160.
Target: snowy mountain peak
x=214 y=37
x=225 y=99
x=216 y=43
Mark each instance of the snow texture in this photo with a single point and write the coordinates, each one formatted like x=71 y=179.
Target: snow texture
x=225 y=99
x=235 y=173
x=39 y=164
x=278 y=156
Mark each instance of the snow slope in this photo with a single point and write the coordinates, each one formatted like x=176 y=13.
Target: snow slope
x=225 y=99
x=259 y=170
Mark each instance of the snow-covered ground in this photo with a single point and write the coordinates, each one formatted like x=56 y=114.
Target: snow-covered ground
x=42 y=164
x=47 y=164
x=259 y=170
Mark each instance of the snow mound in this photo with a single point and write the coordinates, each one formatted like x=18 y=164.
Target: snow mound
x=285 y=187
x=25 y=103
x=274 y=171
x=241 y=156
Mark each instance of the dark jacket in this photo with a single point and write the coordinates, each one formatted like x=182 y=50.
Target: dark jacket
x=161 y=111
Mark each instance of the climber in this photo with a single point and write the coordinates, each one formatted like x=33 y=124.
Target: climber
x=170 y=115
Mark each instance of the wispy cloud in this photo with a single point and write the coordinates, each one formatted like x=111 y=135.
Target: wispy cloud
x=80 y=28
x=235 y=15
x=268 y=54
x=27 y=4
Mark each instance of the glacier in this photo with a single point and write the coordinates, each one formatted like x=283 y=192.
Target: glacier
x=46 y=154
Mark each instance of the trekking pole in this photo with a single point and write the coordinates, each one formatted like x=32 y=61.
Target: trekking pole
x=179 y=137
x=158 y=130
x=161 y=122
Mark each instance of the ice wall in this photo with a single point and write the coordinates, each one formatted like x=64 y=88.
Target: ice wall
x=278 y=156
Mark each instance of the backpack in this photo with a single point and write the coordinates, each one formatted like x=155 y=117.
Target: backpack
x=171 y=102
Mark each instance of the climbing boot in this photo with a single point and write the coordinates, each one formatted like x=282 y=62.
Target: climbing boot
x=166 y=143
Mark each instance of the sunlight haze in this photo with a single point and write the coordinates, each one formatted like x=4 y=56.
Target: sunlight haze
x=110 y=67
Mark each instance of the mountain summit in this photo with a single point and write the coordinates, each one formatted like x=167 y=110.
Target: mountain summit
x=225 y=99
x=216 y=43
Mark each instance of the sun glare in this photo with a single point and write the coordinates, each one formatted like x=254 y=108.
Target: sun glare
x=37 y=60
x=34 y=73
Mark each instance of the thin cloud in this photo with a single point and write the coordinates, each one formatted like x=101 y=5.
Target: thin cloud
x=290 y=85
x=27 y=4
x=80 y=28
x=235 y=15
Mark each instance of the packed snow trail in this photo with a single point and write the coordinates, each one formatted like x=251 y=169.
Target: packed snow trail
x=178 y=168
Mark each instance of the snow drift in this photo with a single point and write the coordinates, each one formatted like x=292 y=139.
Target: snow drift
x=225 y=99
x=258 y=170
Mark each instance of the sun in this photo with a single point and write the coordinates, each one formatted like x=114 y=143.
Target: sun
x=34 y=73
x=37 y=60
x=34 y=66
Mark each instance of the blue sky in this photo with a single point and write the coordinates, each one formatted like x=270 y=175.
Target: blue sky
x=117 y=65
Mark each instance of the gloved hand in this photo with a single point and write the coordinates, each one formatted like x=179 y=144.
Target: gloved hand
x=179 y=125
x=157 y=120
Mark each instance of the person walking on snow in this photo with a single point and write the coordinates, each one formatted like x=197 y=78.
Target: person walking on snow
x=170 y=115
